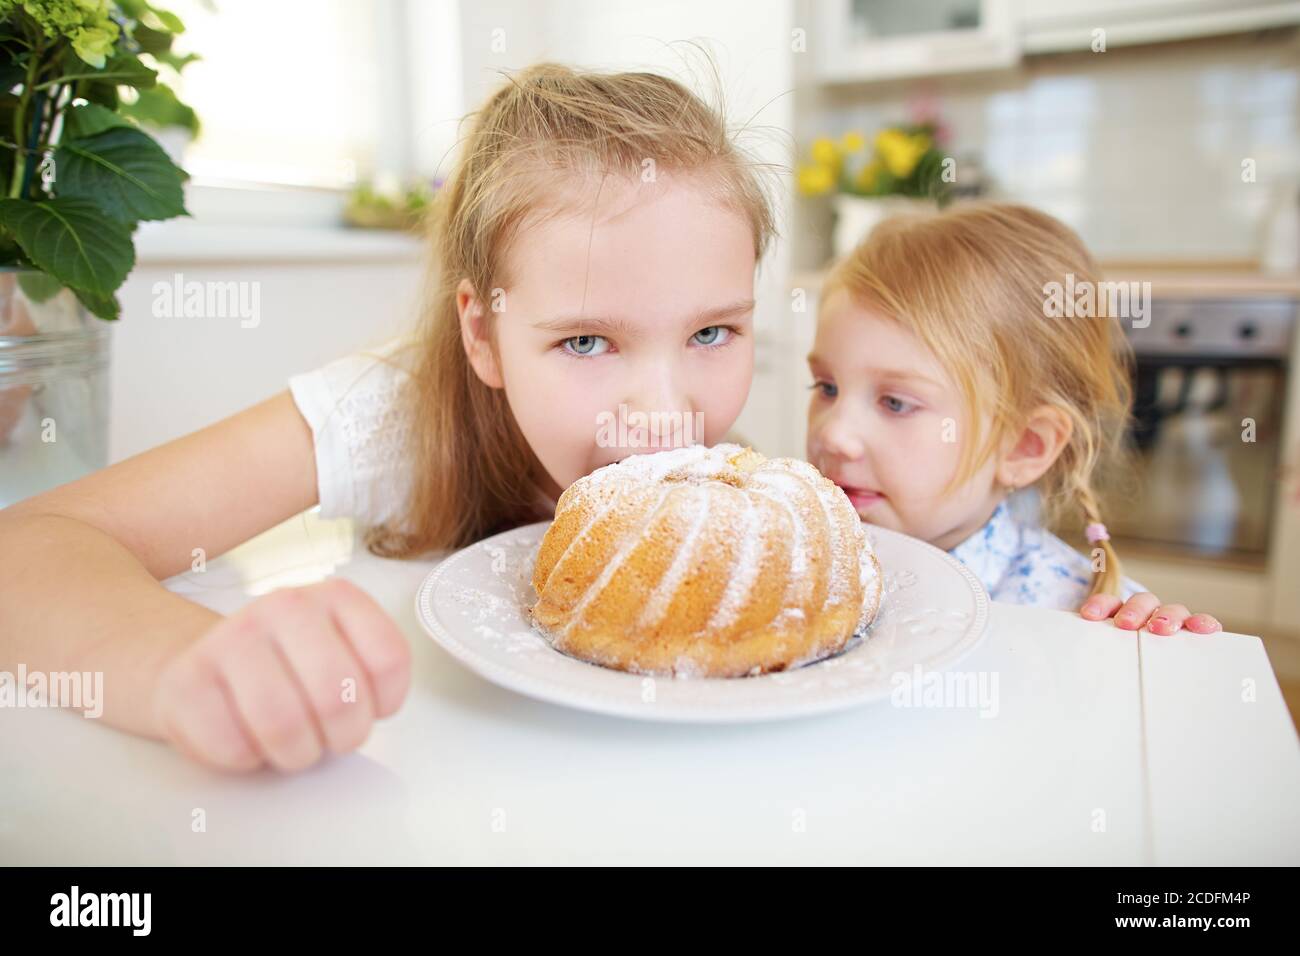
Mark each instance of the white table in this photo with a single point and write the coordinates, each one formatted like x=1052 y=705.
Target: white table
x=1106 y=748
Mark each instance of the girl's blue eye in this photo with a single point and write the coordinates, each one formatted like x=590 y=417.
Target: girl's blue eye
x=826 y=388
x=897 y=405
x=712 y=334
x=586 y=344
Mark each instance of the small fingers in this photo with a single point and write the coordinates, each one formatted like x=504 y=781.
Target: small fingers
x=1168 y=619
x=1203 y=624
x=376 y=640
x=1100 y=606
x=1136 y=611
x=198 y=718
x=270 y=700
x=334 y=681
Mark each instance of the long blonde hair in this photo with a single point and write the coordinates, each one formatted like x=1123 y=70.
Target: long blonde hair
x=972 y=282
x=473 y=472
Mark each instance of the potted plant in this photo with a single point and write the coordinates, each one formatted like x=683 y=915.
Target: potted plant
x=78 y=175
x=388 y=204
x=900 y=171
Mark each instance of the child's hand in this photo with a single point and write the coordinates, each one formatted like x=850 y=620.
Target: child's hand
x=1145 y=610
x=291 y=674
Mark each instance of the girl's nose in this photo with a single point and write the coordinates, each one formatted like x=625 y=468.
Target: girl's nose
x=665 y=410
x=837 y=435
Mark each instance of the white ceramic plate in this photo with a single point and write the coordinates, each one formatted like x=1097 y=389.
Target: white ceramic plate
x=475 y=605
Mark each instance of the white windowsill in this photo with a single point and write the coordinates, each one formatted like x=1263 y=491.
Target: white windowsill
x=184 y=241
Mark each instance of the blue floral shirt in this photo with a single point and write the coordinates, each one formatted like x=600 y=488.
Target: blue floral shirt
x=1019 y=562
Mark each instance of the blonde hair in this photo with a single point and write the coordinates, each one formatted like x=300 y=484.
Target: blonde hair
x=972 y=283
x=547 y=125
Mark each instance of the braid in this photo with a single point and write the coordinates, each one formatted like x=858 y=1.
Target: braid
x=1107 y=580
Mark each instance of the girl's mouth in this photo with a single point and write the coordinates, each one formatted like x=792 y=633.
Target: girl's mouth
x=861 y=498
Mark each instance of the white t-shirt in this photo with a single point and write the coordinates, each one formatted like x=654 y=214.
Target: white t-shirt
x=359 y=431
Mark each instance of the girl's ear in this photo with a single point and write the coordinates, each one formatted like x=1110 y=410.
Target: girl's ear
x=1038 y=445
x=474 y=335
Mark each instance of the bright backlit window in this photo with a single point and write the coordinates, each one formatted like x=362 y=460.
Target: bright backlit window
x=287 y=91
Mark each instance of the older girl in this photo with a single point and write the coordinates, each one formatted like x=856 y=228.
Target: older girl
x=596 y=249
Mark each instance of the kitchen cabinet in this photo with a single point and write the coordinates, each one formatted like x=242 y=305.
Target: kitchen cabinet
x=1048 y=26
x=864 y=41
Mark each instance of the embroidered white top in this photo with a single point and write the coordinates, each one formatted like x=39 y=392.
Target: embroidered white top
x=1020 y=562
x=358 y=432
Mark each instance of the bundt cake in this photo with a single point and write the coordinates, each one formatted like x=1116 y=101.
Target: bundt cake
x=707 y=562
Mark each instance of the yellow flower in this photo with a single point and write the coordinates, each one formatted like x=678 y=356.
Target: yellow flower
x=816 y=179
x=825 y=151
x=853 y=142
x=900 y=151
x=867 y=175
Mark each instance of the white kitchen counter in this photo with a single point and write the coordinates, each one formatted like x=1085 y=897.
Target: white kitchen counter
x=1096 y=755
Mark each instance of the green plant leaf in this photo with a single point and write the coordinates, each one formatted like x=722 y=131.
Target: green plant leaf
x=104 y=306
x=151 y=41
x=104 y=94
x=73 y=241
x=169 y=20
x=90 y=119
x=8 y=104
x=177 y=63
x=124 y=171
x=11 y=73
x=127 y=70
x=38 y=287
x=160 y=108
x=122 y=70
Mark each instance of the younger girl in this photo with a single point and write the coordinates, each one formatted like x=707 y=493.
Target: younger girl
x=596 y=249
x=944 y=382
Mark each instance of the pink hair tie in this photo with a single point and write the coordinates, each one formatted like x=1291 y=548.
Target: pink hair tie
x=1096 y=532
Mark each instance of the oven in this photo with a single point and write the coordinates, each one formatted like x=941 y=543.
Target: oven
x=1205 y=443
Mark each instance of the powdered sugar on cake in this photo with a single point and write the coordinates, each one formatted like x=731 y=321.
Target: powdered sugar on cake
x=774 y=478
x=785 y=555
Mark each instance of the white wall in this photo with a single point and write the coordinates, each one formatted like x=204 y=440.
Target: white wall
x=174 y=374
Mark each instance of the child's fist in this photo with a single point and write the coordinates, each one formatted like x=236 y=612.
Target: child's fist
x=1145 y=610
x=292 y=674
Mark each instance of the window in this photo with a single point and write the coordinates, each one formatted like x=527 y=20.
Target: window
x=288 y=92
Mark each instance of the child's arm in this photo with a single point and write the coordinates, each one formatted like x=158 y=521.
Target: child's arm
x=1145 y=610
x=79 y=592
